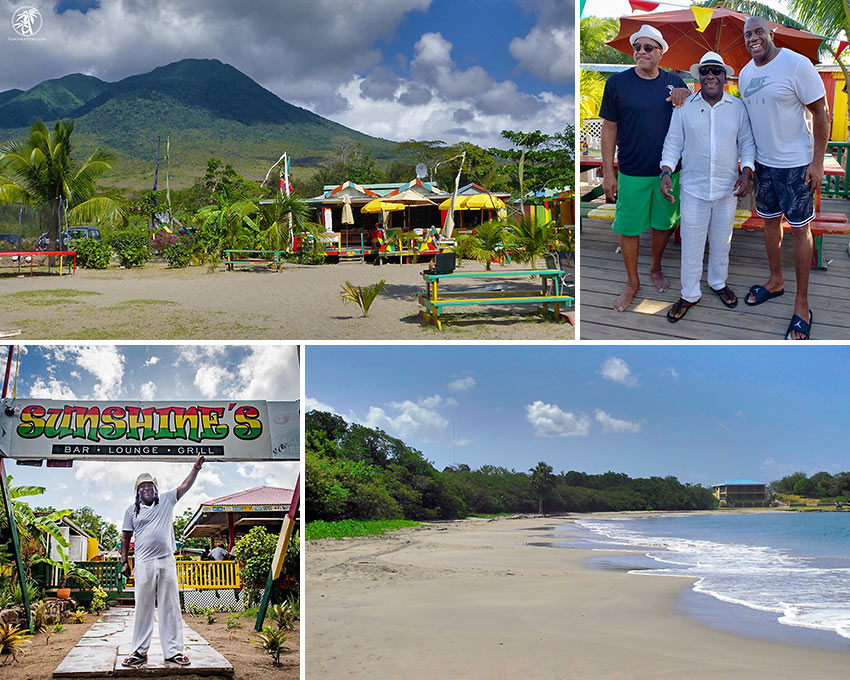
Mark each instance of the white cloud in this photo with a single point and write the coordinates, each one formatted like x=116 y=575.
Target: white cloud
x=548 y=420
x=410 y=420
x=270 y=474
x=463 y=384
x=556 y=30
x=617 y=370
x=208 y=379
x=673 y=372
x=611 y=424
x=721 y=425
x=51 y=389
x=147 y=391
x=153 y=361
x=311 y=404
x=270 y=372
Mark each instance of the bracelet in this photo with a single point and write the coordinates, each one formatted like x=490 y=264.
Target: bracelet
x=665 y=172
x=197 y=467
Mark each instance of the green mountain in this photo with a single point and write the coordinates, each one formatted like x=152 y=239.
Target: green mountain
x=204 y=107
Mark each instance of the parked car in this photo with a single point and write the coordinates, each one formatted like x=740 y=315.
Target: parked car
x=70 y=234
x=10 y=242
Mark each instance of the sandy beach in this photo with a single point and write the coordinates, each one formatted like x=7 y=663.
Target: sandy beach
x=492 y=599
x=300 y=303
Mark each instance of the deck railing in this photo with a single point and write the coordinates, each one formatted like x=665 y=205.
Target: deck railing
x=837 y=185
x=196 y=575
x=191 y=575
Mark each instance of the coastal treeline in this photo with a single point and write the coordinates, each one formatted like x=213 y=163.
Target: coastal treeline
x=357 y=472
x=819 y=485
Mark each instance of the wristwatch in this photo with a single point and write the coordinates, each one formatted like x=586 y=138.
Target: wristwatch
x=664 y=172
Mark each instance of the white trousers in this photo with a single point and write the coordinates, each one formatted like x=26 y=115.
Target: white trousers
x=156 y=580
x=701 y=218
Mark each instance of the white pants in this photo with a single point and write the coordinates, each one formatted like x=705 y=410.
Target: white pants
x=156 y=580
x=701 y=218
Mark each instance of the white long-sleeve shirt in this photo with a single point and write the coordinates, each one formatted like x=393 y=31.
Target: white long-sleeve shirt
x=709 y=140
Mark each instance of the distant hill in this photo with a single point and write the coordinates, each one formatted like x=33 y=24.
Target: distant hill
x=206 y=108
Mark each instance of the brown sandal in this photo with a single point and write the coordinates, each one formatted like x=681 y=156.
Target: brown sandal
x=727 y=296
x=679 y=309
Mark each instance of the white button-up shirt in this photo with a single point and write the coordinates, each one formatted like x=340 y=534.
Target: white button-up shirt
x=709 y=139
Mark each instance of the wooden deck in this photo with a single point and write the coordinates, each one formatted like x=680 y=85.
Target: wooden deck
x=603 y=277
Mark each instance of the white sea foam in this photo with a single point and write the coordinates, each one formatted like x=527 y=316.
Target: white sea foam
x=761 y=577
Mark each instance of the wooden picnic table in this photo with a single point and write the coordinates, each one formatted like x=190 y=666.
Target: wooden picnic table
x=549 y=294
x=32 y=253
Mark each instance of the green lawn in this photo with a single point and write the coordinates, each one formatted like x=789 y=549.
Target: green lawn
x=350 y=527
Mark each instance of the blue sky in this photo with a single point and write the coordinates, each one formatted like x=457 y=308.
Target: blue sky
x=399 y=69
x=703 y=414
x=159 y=372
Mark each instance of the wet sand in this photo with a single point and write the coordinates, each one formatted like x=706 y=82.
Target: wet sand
x=493 y=599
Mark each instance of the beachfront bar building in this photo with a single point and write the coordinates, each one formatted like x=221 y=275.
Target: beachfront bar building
x=742 y=493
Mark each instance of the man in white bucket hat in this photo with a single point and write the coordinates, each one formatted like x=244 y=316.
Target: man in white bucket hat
x=150 y=521
x=636 y=112
x=708 y=134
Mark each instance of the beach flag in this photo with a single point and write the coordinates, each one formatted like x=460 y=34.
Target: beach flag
x=643 y=5
x=841 y=46
x=702 y=15
x=283 y=181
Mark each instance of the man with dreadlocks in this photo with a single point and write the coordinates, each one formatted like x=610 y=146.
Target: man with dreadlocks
x=151 y=520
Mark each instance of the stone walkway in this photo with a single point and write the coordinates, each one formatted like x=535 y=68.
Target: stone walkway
x=104 y=646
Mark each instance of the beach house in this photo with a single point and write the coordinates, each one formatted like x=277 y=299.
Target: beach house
x=742 y=493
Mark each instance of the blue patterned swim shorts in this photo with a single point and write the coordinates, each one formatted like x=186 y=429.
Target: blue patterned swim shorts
x=783 y=191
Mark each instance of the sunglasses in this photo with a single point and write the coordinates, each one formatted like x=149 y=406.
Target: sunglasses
x=713 y=70
x=646 y=47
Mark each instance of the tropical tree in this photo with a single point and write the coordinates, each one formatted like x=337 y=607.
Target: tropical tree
x=271 y=220
x=222 y=223
x=592 y=85
x=487 y=242
x=595 y=32
x=530 y=238
x=543 y=481
x=32 y=528
x=41 y=171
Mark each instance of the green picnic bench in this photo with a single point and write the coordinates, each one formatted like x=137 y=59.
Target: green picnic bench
x=549 y=296
x=234 y=257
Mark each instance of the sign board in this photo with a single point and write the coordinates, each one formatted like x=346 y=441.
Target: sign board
x=46 y=429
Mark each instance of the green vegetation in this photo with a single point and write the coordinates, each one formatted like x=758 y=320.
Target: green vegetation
x=359 y=473
x=351 y=527
x=132 y=248
x=91 y=254
x=12 y=640
x=362 y=296
x=820 y=486
x=255 y=551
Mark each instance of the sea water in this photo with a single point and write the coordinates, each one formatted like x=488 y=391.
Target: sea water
x=795 y=566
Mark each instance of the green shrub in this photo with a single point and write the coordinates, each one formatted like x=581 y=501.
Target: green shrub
x=91 y=254
x=255 y=552
x=362 y=296
x=98 y=602
x=177 y=255
x=131 y=248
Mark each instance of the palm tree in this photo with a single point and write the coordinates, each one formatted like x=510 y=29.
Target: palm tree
x=543 y=481
x=41 y=171
x=272 y=220
x=223 y=222
x=592 y=85
x=487 y=242
x=531 y=239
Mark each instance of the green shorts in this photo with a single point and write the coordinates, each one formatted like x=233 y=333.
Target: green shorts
x=641 y=205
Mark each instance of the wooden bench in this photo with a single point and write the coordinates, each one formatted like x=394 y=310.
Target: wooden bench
x=548 y=296
x=231 y=258
x=823 y=224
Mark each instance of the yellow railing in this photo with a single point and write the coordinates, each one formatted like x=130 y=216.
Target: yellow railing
x=195 y=575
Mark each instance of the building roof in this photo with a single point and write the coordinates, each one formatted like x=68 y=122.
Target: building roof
x=739 y=482
x=261 y=495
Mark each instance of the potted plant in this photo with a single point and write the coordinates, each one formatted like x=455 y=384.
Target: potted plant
x=69 y=570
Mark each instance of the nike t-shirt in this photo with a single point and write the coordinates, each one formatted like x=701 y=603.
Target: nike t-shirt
x=153 y=528
x=776 y=96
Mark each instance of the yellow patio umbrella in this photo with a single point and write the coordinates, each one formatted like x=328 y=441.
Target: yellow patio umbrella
x=460 y=203
x=380 y=205
x=486 y=202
